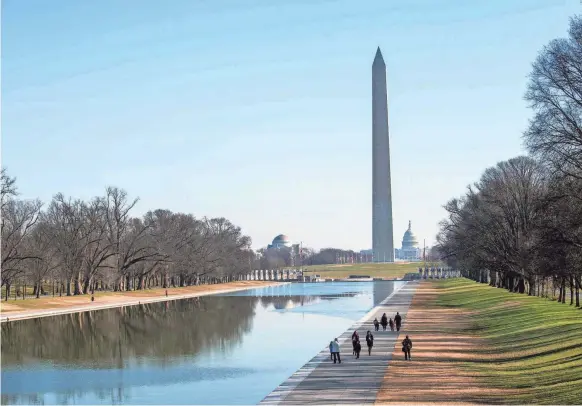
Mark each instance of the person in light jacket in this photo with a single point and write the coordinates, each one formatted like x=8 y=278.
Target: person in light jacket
x=335 y=351
x=331 y=350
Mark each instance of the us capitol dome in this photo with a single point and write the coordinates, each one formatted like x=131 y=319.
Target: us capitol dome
x=410 y=250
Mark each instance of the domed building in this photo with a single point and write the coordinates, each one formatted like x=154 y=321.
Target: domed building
x=280 y=241
x=410 y=250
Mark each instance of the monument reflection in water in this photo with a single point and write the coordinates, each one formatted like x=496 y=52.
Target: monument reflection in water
x=223 y=349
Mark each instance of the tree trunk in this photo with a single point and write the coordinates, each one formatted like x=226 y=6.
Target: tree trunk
x=577 y=280
x=521 y=285
x=78 y=286
x=86 y=284
x=7 y=292
x=141 y=282
x=571 y=290
x=563 y=290
x=493 y=277
x=532 y=286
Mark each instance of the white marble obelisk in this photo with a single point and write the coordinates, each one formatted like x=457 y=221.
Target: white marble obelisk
x=382 y=237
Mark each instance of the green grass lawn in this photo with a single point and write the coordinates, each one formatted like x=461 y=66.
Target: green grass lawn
x=539 y=342
x=388 y=270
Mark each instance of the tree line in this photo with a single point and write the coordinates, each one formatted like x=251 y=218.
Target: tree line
x=520 y=226
x=73 y=247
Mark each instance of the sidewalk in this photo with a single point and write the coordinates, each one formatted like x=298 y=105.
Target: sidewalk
x=320 y=381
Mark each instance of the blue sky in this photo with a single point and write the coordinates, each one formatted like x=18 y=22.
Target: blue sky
x=260 y=110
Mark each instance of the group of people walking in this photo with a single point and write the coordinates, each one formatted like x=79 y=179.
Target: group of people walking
x=397 y=322
x=334 y=347
x=358 y=347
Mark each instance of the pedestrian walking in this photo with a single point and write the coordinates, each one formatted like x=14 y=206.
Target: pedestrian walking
x=376 y=324
x=355 y=338
x=398 y=321
x=370 y=342
x=331 y=350
x=406 y=347
x=335 y=351
x=391 y=324
x=384 y=321
x=357 y=349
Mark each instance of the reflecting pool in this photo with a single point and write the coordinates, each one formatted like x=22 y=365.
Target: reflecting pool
x=230 y=348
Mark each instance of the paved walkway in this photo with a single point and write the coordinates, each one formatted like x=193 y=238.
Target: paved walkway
x=320 y=381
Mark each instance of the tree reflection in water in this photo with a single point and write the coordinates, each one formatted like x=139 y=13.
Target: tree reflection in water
x=160 y=334
x=157 y=332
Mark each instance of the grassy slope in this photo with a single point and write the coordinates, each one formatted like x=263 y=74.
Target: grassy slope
x=388 y=270
x=536 y=343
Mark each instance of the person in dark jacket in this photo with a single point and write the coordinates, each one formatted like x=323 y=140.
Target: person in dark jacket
x=355 y=338
x=369 y=342
x=398 y=321
x=406 y=347
x=384 y=321
x=376 y=324
x=391 y=322
x=357 y=349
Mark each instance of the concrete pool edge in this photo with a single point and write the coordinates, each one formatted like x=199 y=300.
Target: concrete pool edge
x=33 y=314
x=281 y=392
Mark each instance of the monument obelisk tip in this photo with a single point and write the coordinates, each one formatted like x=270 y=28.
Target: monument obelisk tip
x=378 y=58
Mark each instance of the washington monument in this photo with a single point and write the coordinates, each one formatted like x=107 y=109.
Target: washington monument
x=382 y=237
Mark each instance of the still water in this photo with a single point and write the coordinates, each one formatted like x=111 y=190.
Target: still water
x=231 y=348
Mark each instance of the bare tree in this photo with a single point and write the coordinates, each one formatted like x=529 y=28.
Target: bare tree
x=71 y=235
x=85 y=245
x=126 y=235
x=555 y=94
x=18 y=220
x=98 y=248
x=7 y=187
x=43 y=260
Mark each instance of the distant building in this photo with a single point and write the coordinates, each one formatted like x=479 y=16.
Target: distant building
x=283 y=242
x=367 y=255
x=280 y=241
x=410 y=250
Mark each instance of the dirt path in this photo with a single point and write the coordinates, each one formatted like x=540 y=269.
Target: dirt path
x=30 y=308
x=435 y=374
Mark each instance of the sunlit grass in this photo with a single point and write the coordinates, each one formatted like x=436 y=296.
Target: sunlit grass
x=535 y=345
